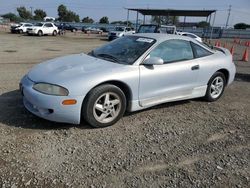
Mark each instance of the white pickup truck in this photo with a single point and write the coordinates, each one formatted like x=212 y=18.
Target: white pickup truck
x=43 y=28
x=120 y=31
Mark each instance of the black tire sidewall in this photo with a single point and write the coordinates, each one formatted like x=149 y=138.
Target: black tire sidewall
x=208 y=96
x=54 y=33
x=87 y=109
x=40 y=33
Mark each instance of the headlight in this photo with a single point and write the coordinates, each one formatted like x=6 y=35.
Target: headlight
x=51 y=89
x=120 y=34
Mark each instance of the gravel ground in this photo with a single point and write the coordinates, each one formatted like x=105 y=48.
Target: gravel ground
x=182 y=144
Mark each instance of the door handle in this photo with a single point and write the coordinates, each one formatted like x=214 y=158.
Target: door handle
x=196 y=67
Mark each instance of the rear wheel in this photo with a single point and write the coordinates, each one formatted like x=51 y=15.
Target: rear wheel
x=54 y=33
x=216 y=86
x=104 y=106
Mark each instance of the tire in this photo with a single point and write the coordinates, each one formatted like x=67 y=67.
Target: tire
x=104 y=106
x=216 y=86
x=54 y=33
x=40 y=33
x=21 y=31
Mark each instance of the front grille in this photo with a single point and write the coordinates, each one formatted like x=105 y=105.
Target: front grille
x=113 y=34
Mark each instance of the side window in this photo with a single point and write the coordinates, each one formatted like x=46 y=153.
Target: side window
x=200 y=51
x=173 y=50
x=48 y=25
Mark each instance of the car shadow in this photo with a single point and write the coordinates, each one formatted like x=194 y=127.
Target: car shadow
x=242 y=77
x=13 y=113
x=160 y=106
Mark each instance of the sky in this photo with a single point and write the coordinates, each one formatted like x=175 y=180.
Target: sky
x=115 y=9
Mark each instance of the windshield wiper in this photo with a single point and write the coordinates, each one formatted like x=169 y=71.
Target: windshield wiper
x=107 y=56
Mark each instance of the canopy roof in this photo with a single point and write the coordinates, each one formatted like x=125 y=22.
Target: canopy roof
x=172 y=12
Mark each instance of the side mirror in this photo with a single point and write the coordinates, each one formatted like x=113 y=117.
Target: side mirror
x=153 y=61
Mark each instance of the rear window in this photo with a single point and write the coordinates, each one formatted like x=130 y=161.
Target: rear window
x=200 y=51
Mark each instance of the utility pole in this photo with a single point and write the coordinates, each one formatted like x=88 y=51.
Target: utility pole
x=229 y=12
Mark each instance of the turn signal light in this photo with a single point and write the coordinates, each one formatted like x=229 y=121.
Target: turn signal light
x=69 y=102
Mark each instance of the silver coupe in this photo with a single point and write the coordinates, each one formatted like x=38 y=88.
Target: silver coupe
x=131 y=73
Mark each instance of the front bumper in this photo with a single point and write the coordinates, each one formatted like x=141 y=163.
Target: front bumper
x=48 y=106
x=33 y=32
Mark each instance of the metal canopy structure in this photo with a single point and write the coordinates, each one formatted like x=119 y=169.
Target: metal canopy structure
x=174 y=13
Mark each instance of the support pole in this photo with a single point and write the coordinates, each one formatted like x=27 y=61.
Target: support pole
x=184 y=23
x=143 y=19
x=209 y=21
x=205 y=30
x=136 y=26
x=127 y=17
x=211 y=34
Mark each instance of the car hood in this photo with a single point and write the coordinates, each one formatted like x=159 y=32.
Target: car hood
x=66 y=68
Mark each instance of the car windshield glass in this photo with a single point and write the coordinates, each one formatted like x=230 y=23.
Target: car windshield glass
x=38 y=24
x=147 y=29
x=119 y=29
x=125 y=50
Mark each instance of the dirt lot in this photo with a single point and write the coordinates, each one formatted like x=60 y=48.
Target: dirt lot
x=183 y=144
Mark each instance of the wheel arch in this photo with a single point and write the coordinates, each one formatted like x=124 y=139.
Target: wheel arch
x=226 y=74
x=123 y=86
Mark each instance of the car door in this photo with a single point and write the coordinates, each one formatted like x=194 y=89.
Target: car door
x=45 y=28
x=173 y=80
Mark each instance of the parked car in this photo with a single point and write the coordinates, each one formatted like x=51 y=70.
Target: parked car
x=13 y=28
x=91 y=30
x=190 y=35
x=68 y=27
x=120 y=31
x=153 y=28
x=43 y=28
x=20 y=28
x=131 y=73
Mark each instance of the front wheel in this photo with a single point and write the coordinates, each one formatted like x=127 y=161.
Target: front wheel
x=216 y=86
x=40 y=33
x=104 y=106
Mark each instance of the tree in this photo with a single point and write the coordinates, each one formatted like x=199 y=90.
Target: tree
x=39 y=14
x=203 y=24
x=72 y=17
x=165 y=20
x=122 y=23
x=104 y=20
x=87 y=20
x=62 y=12
x=241 y=26
x=24 y=13
x=66 y=15
x=12 y=17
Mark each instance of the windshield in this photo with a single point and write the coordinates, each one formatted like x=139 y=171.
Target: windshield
x=38 y=24
x=119 y=29
x=147 y=29
x=125 y=50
